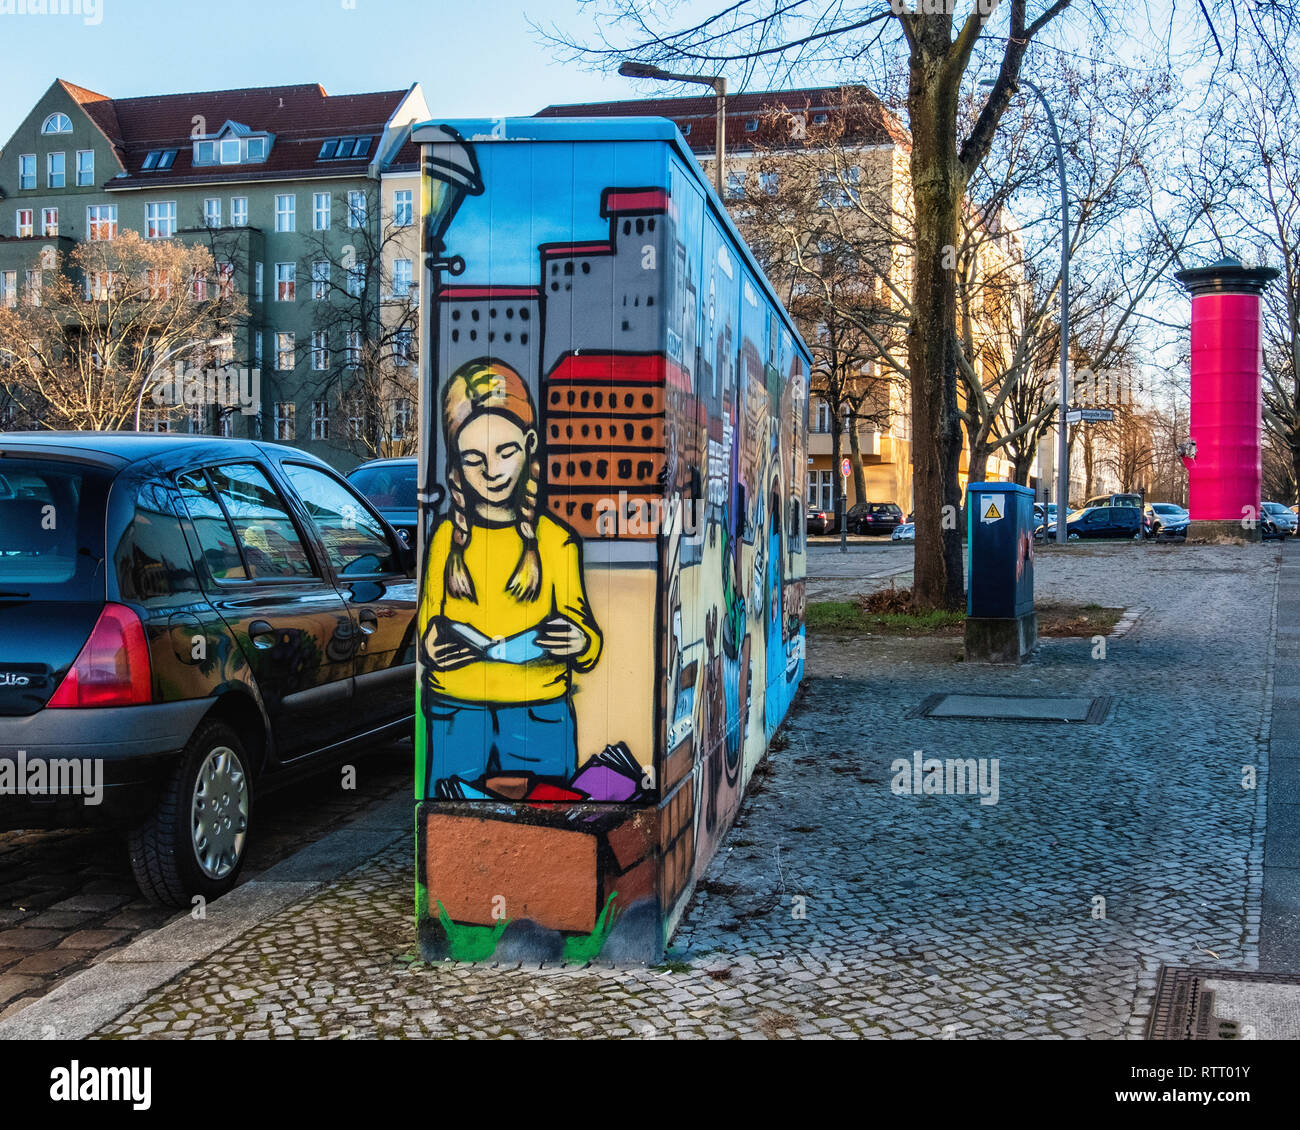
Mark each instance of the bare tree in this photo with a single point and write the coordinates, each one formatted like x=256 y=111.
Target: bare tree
x=96 y=328
x=780 y=36
x=366 y=315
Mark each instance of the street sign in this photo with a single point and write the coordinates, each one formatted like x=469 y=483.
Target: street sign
x=1089 y=415
x=844 y=468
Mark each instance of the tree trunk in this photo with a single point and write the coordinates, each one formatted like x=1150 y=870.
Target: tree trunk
x=938 y=183
x=1020 y=467
x=855 y=460
x=837 y=448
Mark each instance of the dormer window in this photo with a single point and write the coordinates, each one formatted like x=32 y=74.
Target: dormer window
x=233 y=144
x=820 y=119
x=751 y=125
x=686 y=129
x=343 y=148
x=57 y=123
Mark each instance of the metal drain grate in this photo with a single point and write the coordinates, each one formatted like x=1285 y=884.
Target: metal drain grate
x=1015 y=708
x=1217 y=1004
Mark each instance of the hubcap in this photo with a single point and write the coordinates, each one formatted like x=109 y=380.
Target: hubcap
x=219 y=813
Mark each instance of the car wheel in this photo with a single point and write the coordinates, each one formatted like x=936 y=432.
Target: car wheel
x=1072 y=537
x=194 y=841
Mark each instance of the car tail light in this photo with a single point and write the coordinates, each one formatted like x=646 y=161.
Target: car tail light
x=113 y=667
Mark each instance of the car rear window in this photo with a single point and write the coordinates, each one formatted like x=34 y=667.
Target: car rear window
x=389 y=486
x=51 y=529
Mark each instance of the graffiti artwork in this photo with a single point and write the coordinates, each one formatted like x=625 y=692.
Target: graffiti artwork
x=611 y=612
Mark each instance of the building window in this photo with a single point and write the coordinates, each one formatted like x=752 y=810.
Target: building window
x=49 y=222
x=284 y=419
x=259 y=287
x=356 y=410
x=286 y=281
x=99 y=286
x=751 y=125
x=212 y=212
x=685 y=127
x=320 y=211
x=284 y=352
x=403 y=211
x=23 y=223
x=101 y=221
x=27 y=170
x=33 y=280
x=226 y=280
x=200 y=287
x=160 y=284
x=9 y=289
x=320 y=419
x=198 y=425
x=401 y=278
x=229 y=150
x=735 y=186
x=357 y=280
x=320 y=280
x=85 y=167
x=225 y=424
x=352 y=349
x=822 y=425
x=56 y=170
x=160 y=219
x=821 y=490
x=768 y=183
x=285 y=207
x=343 y=148
x=320 y=353
x=158 y=159
x=356 y=209
x=401 y=417
x=57 y=123
x=257 y=348
x=255 y=149
x=239 y=211
x=820 y=119
x=402 y=347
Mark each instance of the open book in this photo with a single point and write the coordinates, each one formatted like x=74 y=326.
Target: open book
x=522 y=648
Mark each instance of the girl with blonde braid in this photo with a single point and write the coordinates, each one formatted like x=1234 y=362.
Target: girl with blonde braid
x=505 y=609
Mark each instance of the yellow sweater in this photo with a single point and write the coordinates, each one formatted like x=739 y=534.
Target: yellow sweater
x=491 y=557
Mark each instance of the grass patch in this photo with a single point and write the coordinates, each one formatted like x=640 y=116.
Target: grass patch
x=856 y=618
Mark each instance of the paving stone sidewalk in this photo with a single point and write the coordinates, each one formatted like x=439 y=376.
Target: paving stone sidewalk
x=837 y=908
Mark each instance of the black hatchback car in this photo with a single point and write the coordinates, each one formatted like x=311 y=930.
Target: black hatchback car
x=186 y=623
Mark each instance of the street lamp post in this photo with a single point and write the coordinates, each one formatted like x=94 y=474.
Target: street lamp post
x=1062 y=444
x=719 y=85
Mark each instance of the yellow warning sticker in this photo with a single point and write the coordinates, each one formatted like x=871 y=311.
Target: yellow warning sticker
x=992 y=506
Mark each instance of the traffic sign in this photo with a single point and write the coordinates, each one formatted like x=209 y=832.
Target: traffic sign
x=844 y=468
x=1089 y=415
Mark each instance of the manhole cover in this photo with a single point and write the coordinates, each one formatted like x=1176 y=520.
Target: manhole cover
x=1015 y=708
x=1214 y=1004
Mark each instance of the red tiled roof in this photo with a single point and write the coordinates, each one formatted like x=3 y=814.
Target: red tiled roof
x=300 y=117
x=869 y=121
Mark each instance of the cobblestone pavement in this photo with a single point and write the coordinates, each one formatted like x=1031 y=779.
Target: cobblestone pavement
x=837 y=908
x=66 y=897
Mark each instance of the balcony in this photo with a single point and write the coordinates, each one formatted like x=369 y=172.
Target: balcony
x=872 y=442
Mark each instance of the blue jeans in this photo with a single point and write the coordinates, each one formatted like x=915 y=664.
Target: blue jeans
x=470 y=739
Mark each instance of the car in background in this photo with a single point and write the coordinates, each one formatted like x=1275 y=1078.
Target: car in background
x=820 y=522
x=193 y=622
x=1166 y=518
x=904 y=531
x=392 y=486
x=1113 y=500
x=1112 y=522
x=1276 y=520
x=873 y=517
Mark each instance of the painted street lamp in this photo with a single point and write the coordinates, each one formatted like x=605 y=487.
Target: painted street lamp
x=449 y=172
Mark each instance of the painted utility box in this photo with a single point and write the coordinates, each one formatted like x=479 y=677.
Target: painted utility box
x=1001 y=625
x=613 y=560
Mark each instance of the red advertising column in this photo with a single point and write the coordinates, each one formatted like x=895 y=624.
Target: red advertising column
x=1223 y=450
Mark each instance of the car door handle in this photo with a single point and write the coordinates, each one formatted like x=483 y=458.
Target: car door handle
x=261 y=633
x=367 y=620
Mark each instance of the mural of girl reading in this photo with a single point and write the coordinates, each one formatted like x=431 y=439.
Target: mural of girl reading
x=504 y=602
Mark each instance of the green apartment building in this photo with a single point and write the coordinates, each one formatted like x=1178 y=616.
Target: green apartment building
x=297 y=192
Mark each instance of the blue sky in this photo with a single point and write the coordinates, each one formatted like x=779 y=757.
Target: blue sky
x=475 y=58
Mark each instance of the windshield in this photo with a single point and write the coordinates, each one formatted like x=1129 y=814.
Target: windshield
x=390 y=486
x=1276 y=508
x=51 y=530
x=1166 y=508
